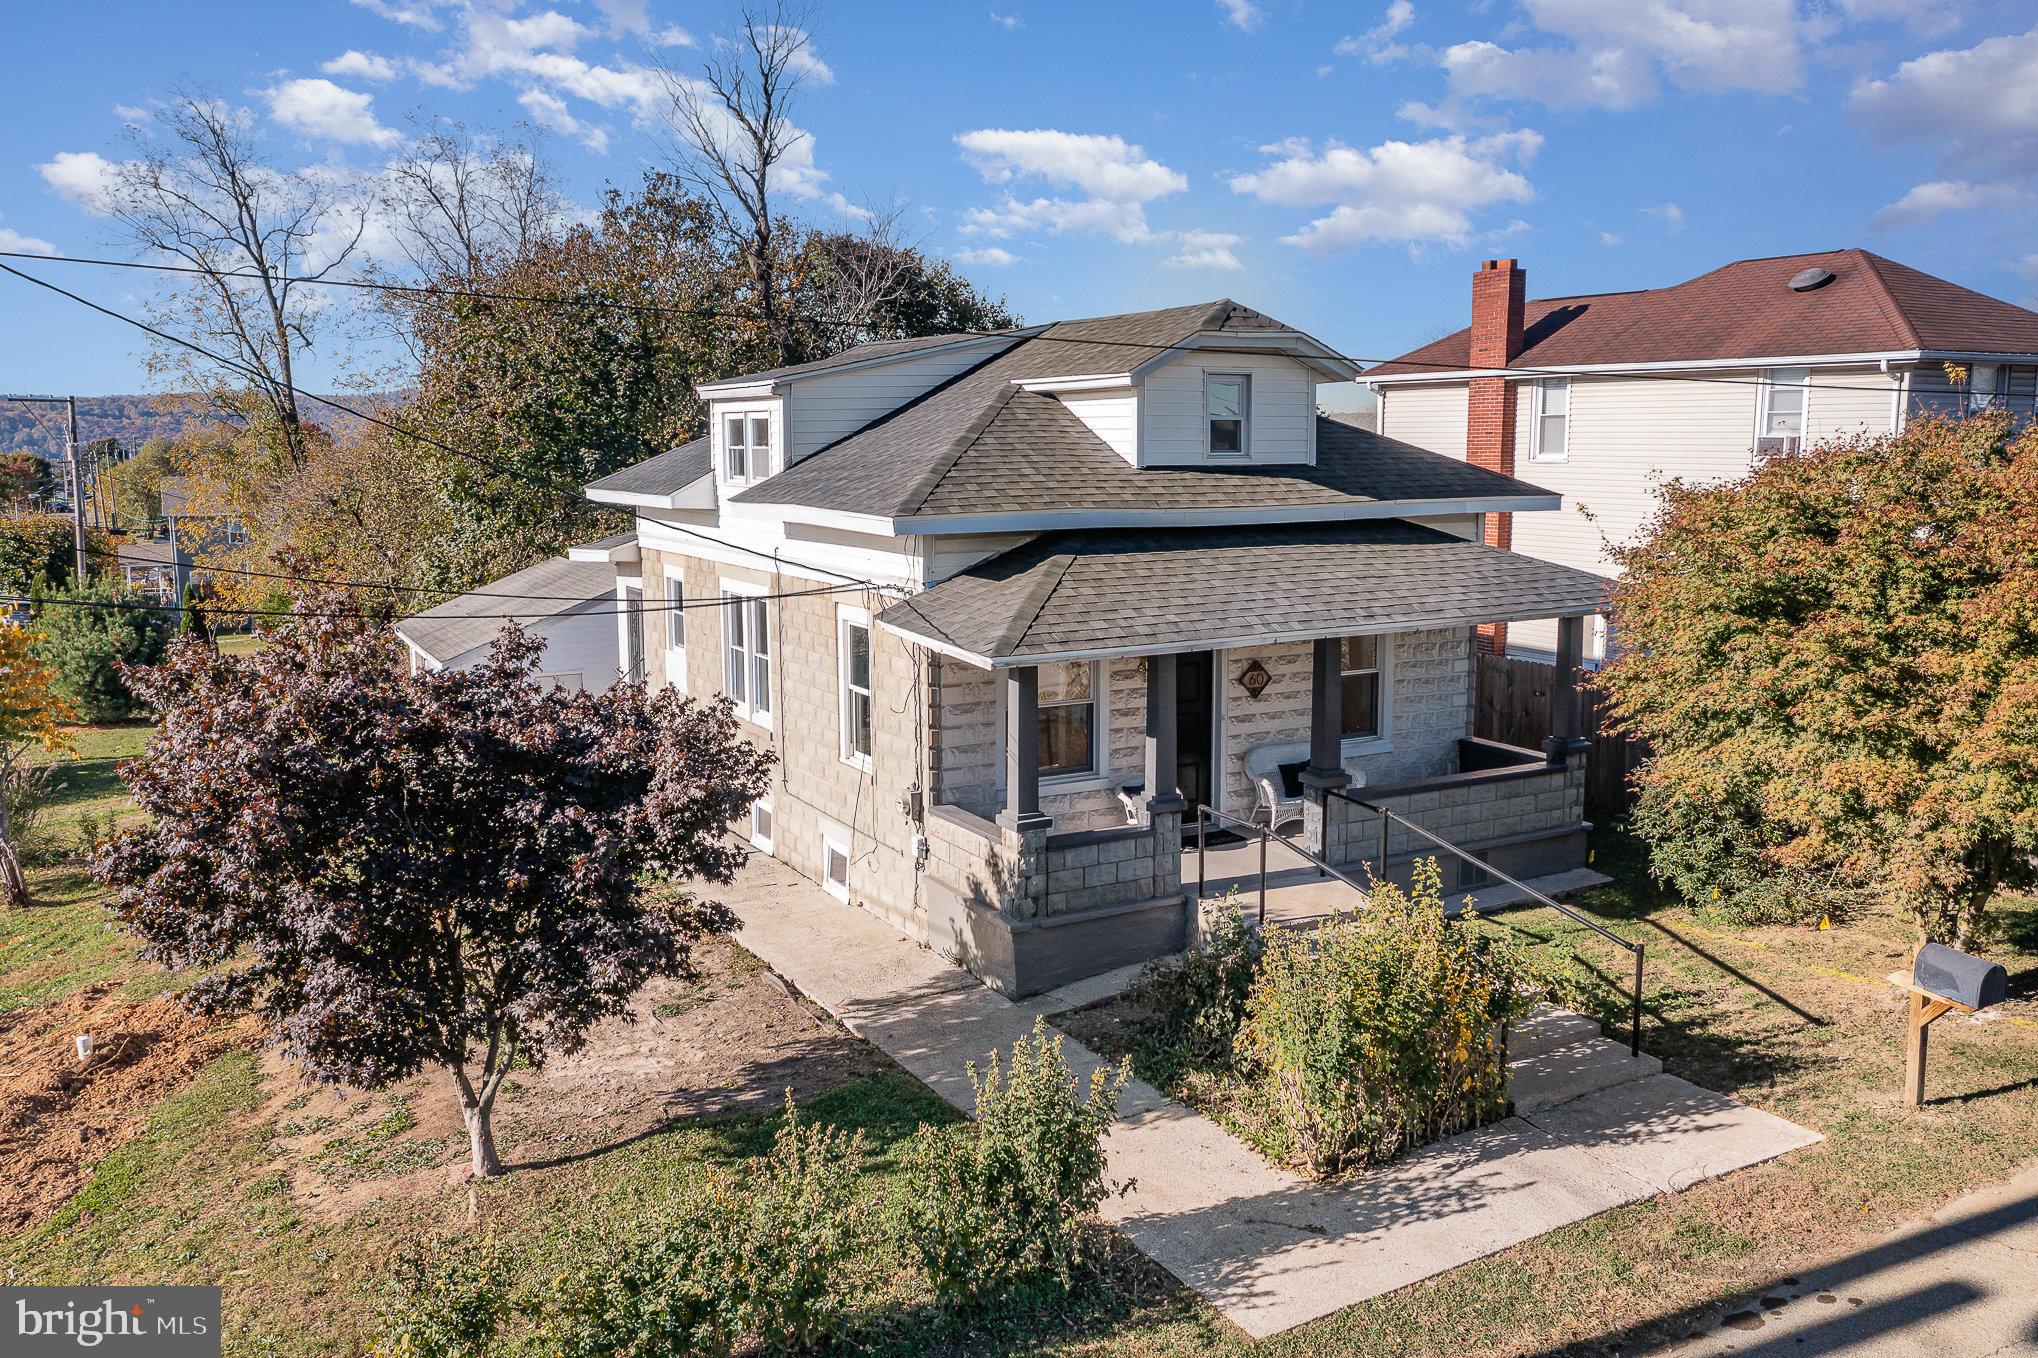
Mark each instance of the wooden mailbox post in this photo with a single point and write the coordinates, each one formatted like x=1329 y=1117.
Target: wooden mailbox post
x=1942 y=982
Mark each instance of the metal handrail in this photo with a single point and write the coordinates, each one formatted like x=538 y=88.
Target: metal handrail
x=1635 y=996
x=1204 y=815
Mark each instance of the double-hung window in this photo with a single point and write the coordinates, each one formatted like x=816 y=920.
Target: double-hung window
x=1067 y=722
x=1783 y=402
x=633 y=633
x=1551 y=438
x=746 y=448
x=1988 y=387
x=675 y=628
x=853 y=646
x=746 y=654
x=1359 y=687
x=1227 y=409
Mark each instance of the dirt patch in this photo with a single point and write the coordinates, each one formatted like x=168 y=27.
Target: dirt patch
x=59 y=1116
x=733 y=1039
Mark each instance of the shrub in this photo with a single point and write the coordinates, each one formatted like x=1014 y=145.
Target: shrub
x=38 y=551
x=1378 y=1031
x=1006 y=1199
x=30 y=791
x=1194 y=1004
x=87 y=632
x=445 y=1299
x=762 y=1255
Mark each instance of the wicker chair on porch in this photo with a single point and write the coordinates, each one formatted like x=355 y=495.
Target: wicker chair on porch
x=1276 y=771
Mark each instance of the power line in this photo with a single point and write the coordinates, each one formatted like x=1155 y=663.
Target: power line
x=571 y=495
x=723 y=313
x=621 y=608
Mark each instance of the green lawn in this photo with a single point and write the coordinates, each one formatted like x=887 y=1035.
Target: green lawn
x=1795 y=1021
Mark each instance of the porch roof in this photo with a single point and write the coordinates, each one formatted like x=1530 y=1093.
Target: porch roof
x=1103 y=592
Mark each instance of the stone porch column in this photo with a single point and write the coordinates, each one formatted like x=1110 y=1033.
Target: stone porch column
x=1163 y=765
x=1022 y=751
x=1564 y=691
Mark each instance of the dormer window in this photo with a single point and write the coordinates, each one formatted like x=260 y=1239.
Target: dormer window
x=746 y=448
x=1227 y=407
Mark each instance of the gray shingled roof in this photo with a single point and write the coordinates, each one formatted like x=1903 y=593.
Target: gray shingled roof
x=1110 y=591
x=978 y=444
x=857 y=353
x=532 y=596
x=666 y=474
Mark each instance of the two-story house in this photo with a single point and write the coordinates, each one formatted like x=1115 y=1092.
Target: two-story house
x=1603 y=397
x=1013 y=607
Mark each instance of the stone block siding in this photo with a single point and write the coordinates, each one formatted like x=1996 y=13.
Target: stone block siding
x=1430 y=708
x=815 y=794
x=964 y=742
x=1030 y=876
x=1465 y=812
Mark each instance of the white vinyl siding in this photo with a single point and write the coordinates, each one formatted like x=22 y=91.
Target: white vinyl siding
x=1283 y=412
x=820 y=410
x=1428 y=417
x=1846 y=403
x=1112 y=416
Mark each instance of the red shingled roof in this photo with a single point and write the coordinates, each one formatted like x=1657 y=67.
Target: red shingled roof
x=1747 y=310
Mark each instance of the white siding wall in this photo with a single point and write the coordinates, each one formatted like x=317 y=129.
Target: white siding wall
x=1112 y=416
x=1847 y=402
x=586 y=644
x=1283 y=413
x=821 y=410
x=1428 y=417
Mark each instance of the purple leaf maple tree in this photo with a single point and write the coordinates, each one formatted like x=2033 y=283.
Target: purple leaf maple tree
x=464 y=869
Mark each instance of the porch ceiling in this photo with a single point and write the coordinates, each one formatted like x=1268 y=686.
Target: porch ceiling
x=1075 y=595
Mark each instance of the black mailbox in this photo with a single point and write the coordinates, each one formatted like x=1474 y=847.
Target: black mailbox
x=1952 y=975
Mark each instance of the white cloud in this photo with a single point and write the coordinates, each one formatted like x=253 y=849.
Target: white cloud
x=1204 y=250
x=80 y=177
x=1396 y=191
x=549 y=110
x=1919 y=16
x=1101 y=166
x=1376 y=44
x=1611 y=238
x=2027 y=268
x=632 y=19
x=995 y=256
x=361 y=65
x=1243 y=15
x=1058 y=216
x=1007 y=21
x=319 y=108
x=1671 y=215
x=1617 y=53
x=417 y=15
x=1931 y=200
x=130 y=113
x=10 y=239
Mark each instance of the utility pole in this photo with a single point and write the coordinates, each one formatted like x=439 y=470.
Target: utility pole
x=70 y=405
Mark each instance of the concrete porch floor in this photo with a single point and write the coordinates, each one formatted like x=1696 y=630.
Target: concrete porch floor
x=1297 y=892
x=1268 y=1249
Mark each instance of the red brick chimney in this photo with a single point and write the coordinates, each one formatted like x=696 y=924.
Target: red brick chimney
x=1498 y=290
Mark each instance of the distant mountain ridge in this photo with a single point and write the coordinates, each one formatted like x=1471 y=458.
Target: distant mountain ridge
x=134 y=420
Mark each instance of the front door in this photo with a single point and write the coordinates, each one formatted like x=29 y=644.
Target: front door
x=1195 y=716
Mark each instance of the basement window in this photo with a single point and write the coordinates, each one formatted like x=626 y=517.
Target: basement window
x=835 y=869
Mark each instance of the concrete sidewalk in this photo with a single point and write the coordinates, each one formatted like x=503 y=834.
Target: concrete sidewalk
x=1269 y=1249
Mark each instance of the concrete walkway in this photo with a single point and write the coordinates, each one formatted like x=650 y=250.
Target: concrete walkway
x=1268 y=1249
x=1963 y=1283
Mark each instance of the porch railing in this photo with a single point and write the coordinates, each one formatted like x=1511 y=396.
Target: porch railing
x=1387 y=821
x=1206 y=814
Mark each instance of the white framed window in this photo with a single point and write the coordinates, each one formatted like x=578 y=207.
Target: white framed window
x=1550 y=434
x=631 y=620
x=760 y=823
x=1227 y=413
x=852 y=649
x=746 y=650
x=1362 y=687
x=835 y=868
x=1988 y=387
x=1069 y=729
x=746 y=446
x=675 y=627
x=1782 y=403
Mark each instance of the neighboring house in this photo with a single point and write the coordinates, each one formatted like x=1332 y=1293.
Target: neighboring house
x=1010 y=608
x=190 y=528
x=569 y=602
x=1603 y=397
x=153 y=568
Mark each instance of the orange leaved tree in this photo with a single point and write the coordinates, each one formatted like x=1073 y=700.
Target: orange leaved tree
x=32 y=715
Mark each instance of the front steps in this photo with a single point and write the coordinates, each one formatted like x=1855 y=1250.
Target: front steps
x=1554 y=1056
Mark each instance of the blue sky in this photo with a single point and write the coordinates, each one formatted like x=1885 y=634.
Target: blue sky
x=1341 y=166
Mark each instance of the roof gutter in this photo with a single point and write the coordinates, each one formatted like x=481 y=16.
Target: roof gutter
x=1673 y=365
x=1045 y=521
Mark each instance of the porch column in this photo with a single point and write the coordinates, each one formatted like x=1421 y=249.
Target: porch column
x=1564 y=691
x=1326 y=716
x=1022 y=751
x=1163 y=763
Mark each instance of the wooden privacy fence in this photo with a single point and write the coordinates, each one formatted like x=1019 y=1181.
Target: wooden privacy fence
x=1512 y=705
